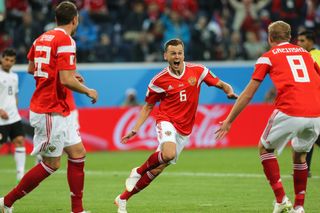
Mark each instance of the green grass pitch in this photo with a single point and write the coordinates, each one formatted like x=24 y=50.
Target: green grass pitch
x=203 y=181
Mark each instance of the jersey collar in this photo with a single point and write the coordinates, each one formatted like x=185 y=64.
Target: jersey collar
x=283 y=43
x=60 y=29
x=177 y=76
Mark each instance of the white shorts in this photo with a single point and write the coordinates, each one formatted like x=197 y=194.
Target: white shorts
x=281 y=128
x=53 y=132
x=167 y=133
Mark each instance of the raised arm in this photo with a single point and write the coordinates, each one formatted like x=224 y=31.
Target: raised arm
x=144 y=114
x=227 y=88
x=243 y=100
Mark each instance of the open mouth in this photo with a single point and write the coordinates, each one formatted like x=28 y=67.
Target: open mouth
x=177 y=63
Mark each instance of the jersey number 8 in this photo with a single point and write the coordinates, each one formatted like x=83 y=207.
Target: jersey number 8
x=298 y=66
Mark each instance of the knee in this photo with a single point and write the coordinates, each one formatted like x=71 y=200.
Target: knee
x=18 y=141
x=168 y=155
x=52 y=163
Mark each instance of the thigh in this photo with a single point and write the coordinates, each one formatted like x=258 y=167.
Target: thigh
x=182 y=141
x=166 y=132
x=16 y=130
x=307 y=135
x=50 y=133
x=4 y=134
x=279 y=130
x=73 y=134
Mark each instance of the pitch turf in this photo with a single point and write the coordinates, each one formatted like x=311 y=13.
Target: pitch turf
x=203 y=181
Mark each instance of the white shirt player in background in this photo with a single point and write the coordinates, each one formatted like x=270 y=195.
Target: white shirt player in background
x=11 y=128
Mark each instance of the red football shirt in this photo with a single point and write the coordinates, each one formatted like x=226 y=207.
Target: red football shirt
x=296 y=77
x=52 y=52
x=178 y=95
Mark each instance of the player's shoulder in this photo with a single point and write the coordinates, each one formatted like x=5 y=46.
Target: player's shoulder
x=194 y=66
x=57 y=36
x=161 y=75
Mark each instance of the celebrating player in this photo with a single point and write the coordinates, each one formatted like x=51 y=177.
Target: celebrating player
x=296 y=117
x=52 y=60
x=177 y=88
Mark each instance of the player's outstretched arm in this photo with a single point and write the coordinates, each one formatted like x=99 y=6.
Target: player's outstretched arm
x=68 y=79
x=243 y=100
x=227 y=88
x=144 y=114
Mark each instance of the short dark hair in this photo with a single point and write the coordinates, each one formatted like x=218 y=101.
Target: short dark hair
x=310 y=35
x=65 y=12
x=173 y=42
x=9 y=52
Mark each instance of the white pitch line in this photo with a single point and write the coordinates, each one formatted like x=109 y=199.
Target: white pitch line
x=175 y=174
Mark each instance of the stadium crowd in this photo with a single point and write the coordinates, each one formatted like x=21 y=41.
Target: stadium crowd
x=135 y=30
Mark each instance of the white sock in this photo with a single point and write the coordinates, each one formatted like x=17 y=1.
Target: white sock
x=20 y=158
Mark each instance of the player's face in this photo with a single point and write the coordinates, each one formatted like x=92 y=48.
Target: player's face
x=7 y=62
x=175 y=57
x=75 y=23
x=304 y=42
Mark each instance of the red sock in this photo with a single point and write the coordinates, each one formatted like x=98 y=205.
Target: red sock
x=153 y=161
x=76 y=182
x=144 y=181
x=272 y=172
x=29 y=181
x=300 y=177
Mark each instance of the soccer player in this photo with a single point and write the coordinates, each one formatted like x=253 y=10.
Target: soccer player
x=53 y=62
x=296 y=77
x=10 y=120
x=307 y=39
x=177 y=88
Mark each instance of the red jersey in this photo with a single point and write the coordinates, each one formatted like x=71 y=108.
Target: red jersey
x=296 y=77
x=51 y=52
x=178 y=95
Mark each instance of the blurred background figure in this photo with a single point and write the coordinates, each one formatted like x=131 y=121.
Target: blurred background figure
x=307 y=39
x=131 y=98
x=11 y=129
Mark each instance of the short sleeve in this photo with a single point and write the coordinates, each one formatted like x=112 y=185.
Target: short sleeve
x=262 y=67
x=211 y=79
x=152 y=97
x=66 y=55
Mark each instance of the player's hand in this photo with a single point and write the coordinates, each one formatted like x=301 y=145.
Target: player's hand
x=79 y=77
x=129 y=135
x=4 y=115
x=223 y=130
x=93 y=95
x=232 y=96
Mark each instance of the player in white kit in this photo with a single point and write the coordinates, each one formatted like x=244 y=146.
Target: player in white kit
x=11 y=129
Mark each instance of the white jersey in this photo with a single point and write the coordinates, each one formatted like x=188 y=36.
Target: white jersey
x=8 y=91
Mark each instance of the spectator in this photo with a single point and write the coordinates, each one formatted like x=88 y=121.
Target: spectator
x=246 y=12
x=235 y=47
x=175 y=27
x=24 y=35
x=131 y=98
x=252 y=46
x=86 y=37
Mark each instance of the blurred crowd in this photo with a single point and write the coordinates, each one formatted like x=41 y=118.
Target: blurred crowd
x=135 y=30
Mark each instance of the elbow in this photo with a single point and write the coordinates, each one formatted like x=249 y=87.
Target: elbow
x=64 y=82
